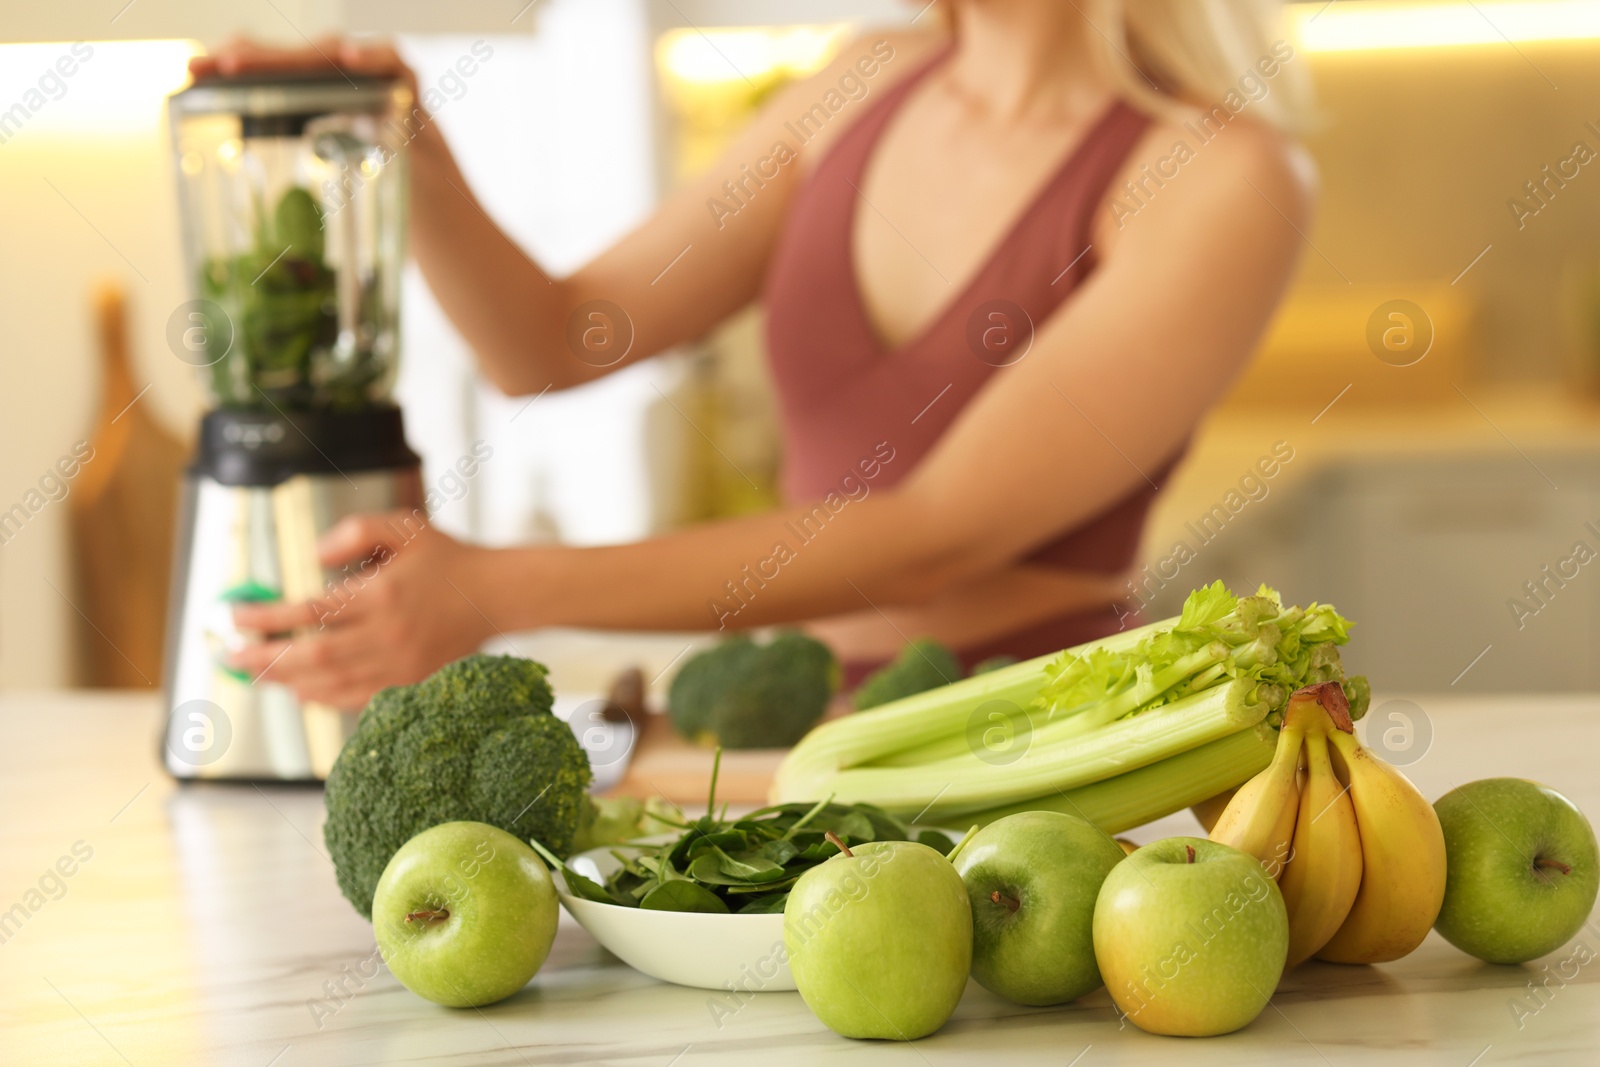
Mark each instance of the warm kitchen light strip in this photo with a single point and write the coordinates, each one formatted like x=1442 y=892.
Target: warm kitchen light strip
x=1346 y=27
x=99 y=87
x=747 y=54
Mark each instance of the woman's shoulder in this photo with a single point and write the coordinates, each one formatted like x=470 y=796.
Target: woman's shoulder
x=1190 y=158
x=1231 y=146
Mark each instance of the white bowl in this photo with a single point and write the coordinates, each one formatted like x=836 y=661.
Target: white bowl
x=686 y=948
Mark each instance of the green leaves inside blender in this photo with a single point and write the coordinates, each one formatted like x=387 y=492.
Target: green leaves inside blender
x=282 y=295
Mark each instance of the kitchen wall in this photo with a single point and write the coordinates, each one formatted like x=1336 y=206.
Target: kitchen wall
x=1421 y=148
x=87 y=189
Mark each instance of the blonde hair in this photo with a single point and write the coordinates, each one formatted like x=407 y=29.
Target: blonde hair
x=1164 y=54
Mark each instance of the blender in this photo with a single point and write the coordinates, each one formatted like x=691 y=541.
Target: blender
x=292 y=194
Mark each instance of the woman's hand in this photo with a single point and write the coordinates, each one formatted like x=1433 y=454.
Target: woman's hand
x=242 y=56
x=403 y=612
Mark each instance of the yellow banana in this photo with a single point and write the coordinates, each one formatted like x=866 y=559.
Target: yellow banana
x=1209 y=810
x=1324 y=870
x=1259 y=820
x=1402 y=860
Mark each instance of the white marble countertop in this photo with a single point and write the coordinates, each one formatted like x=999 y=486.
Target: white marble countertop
x=205 y=928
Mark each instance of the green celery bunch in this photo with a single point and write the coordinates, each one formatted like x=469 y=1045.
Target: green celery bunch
x=1130 y=727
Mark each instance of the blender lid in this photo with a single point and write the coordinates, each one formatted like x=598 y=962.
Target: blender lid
x=280 y=103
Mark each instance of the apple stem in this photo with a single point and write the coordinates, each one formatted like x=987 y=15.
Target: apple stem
x=1549 y=864
x=1188 y=852
x=437 y=915
x=838 y=844
x=1012 y=903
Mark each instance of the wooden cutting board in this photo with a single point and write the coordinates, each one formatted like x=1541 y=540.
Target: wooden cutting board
x=123 y=506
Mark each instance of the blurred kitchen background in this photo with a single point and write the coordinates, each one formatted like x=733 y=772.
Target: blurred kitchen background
x=1441 y=464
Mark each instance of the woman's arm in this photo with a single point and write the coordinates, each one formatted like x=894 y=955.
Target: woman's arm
x=1114 y=384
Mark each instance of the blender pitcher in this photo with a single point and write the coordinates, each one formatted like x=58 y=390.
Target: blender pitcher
x=293 y=200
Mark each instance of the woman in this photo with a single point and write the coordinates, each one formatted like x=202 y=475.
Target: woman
x=1003 y=281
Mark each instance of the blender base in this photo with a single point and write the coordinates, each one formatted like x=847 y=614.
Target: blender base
x=251 y=517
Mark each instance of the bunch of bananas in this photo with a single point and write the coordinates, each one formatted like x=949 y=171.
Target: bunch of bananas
x=1357 y=851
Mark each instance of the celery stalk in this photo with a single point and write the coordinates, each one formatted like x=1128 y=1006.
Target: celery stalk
x=916 y=720
x=1151 y=792
x=924 y=717
x=1048 y=726
x=969 y=783
x=1135 y=696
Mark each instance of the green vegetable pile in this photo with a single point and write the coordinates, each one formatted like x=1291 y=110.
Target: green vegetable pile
x=745 y=865
x=281 y=295
x=740 y=694
x=475 y=741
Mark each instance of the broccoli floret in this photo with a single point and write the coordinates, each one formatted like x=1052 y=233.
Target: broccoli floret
x=474 y=741
x=921 y=665
x=740 y=694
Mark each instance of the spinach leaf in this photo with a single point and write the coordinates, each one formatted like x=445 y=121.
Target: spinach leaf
x=780 y=851
x=766 y=904
x=853 y=826
x=578 y=885
x=749 y=867
x=682 y=895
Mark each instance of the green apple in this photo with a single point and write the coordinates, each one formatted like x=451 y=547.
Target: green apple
x=1032 y=880
x=1522 y=869
x=464 y=914
x=879 y=940
x=1191 y=936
